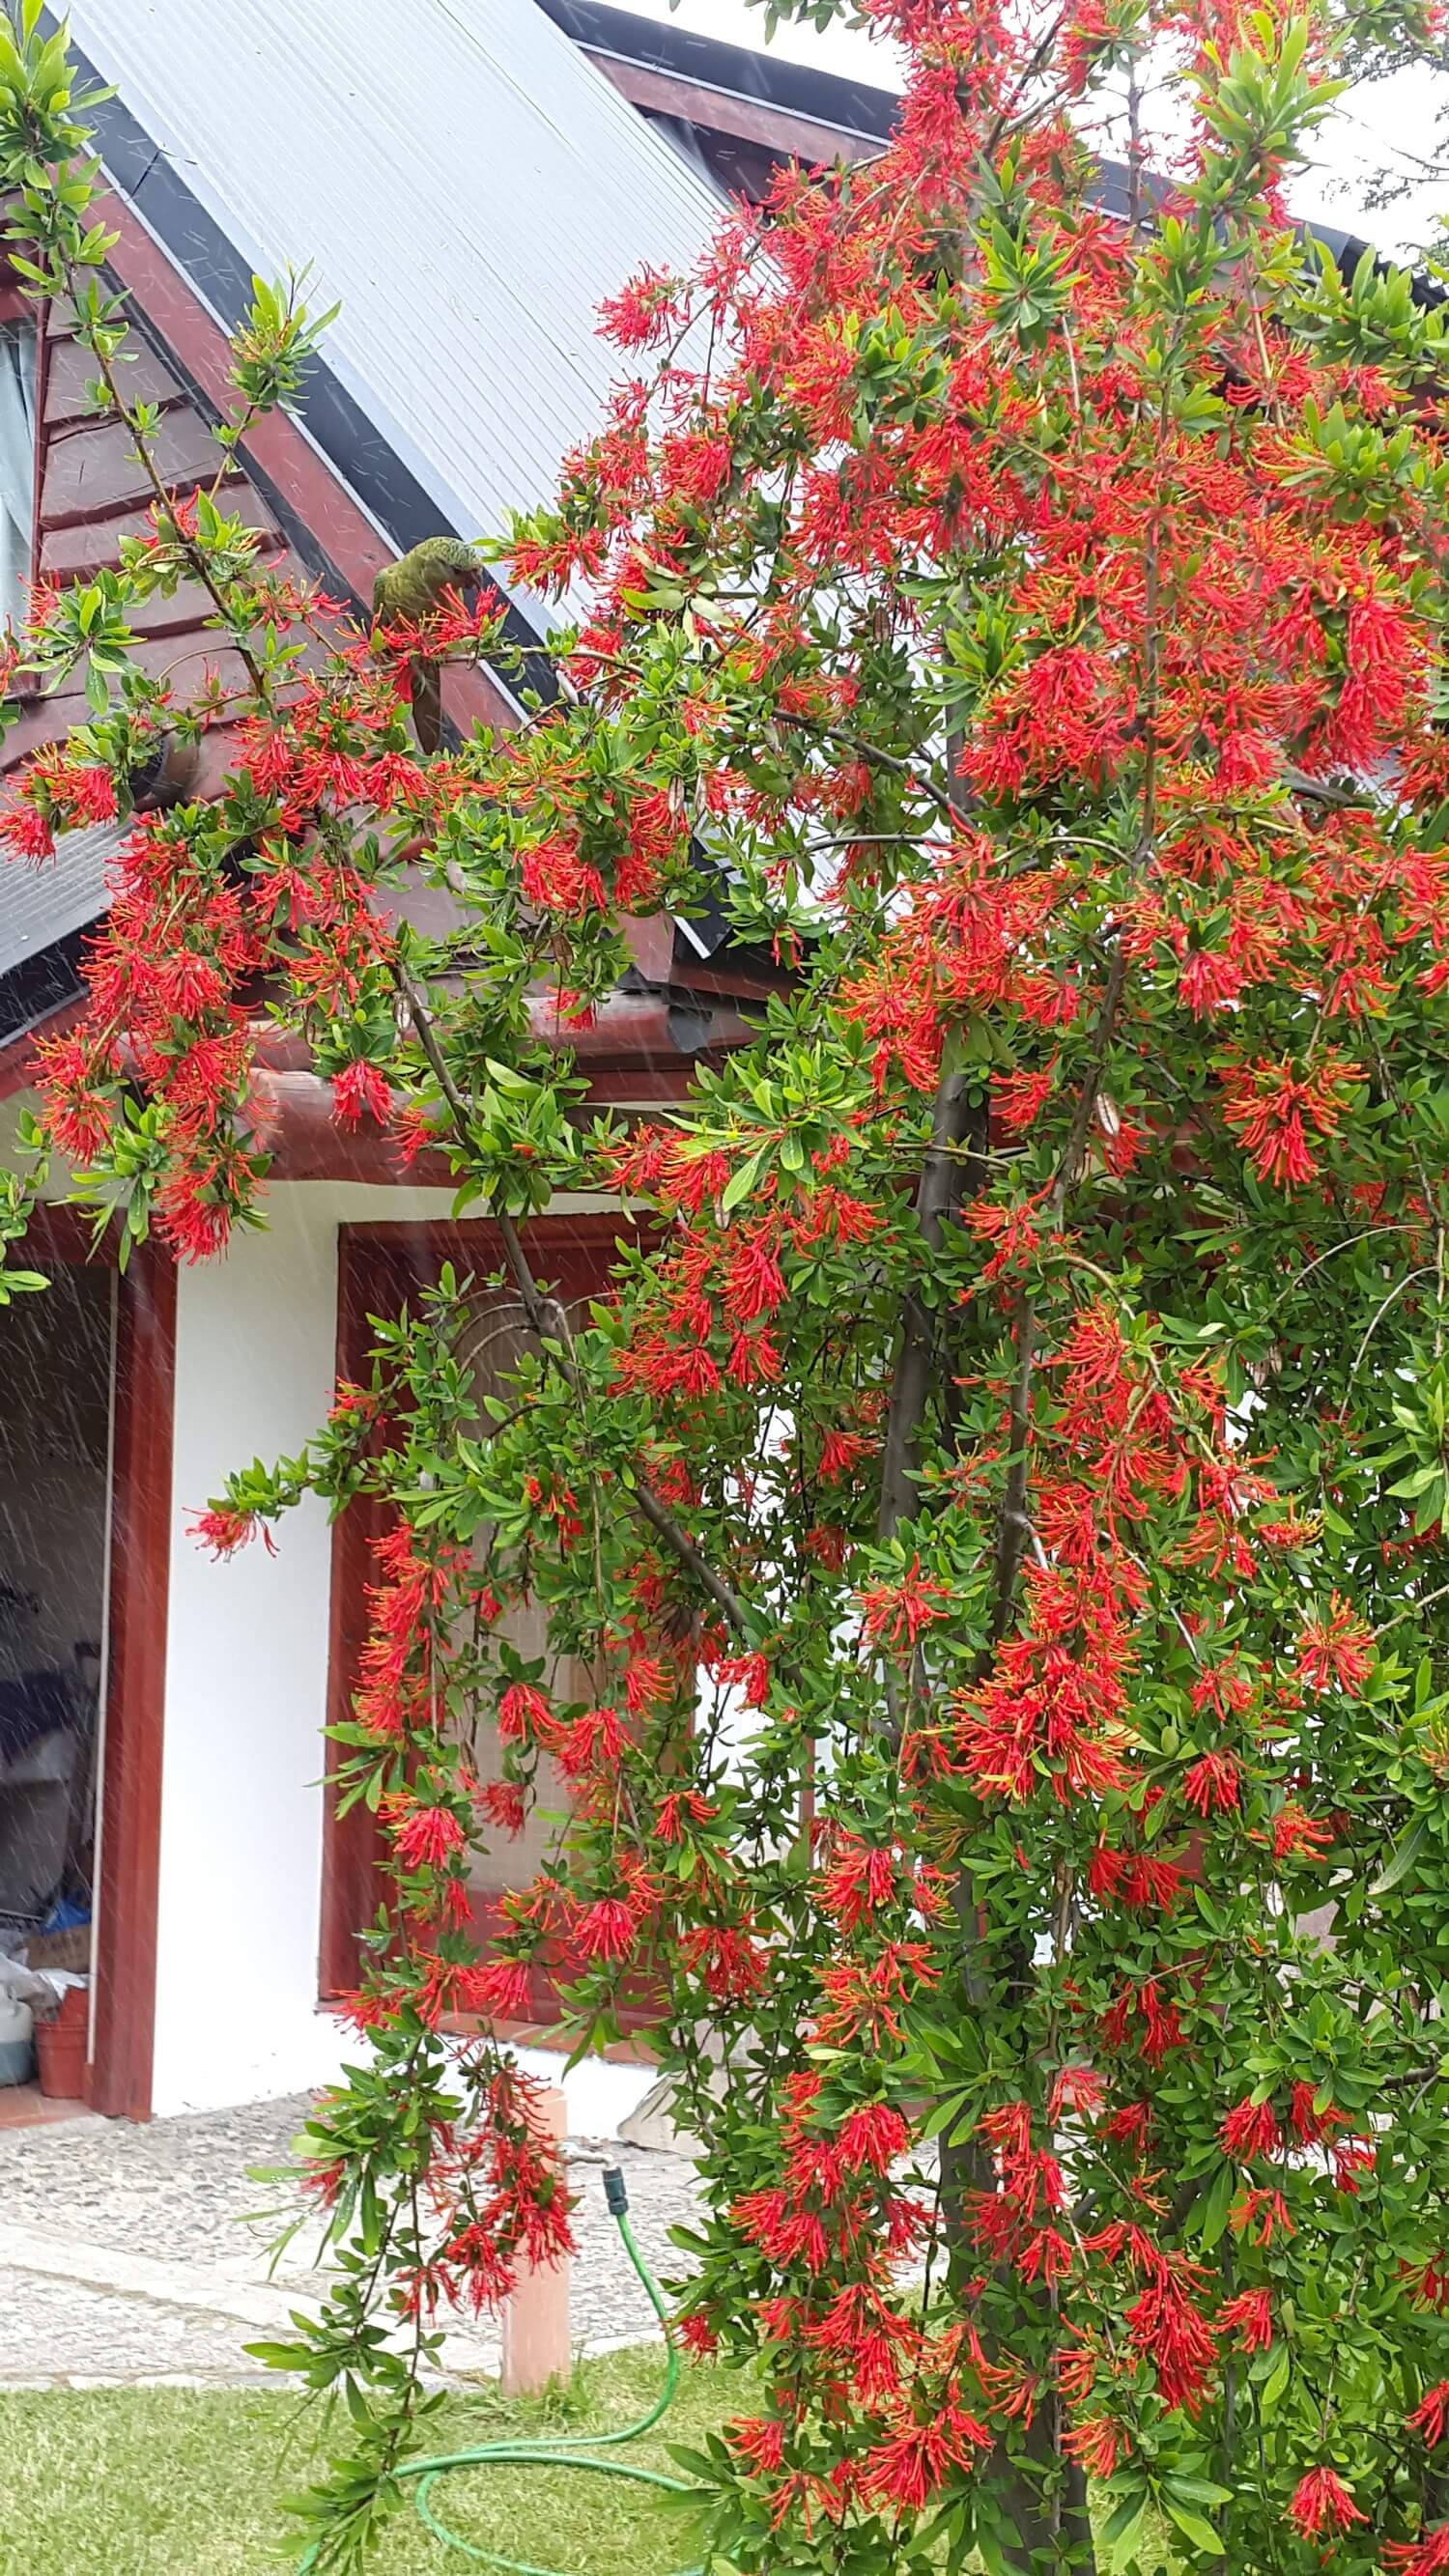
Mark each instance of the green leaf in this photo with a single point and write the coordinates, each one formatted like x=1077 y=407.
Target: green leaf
x=1212 y=2209
x=740 y=1183
x=279 y=2356
x=1124 y=2523
x=1402 y=1860
x=1198 y=2490
x=1194 y=2527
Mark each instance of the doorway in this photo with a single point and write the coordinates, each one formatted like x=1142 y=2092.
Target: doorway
x=56 y=1431
x=86 y=1389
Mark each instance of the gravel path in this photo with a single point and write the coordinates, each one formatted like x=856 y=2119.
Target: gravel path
x=178 y=2191
x=174 y=2189
x=63 y=2331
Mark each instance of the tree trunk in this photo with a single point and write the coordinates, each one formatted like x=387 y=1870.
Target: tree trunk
x=1046 y=2498
x=953 y=1156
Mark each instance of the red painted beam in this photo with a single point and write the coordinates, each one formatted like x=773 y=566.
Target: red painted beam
x=724 y=111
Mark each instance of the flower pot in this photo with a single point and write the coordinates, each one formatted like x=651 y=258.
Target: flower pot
x=60 y=2048
x=17 y=2041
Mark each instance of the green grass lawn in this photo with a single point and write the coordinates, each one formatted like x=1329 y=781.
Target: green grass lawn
x=185 y=2482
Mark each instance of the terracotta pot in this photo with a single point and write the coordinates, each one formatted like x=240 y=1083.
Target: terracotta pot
x=60 y=2048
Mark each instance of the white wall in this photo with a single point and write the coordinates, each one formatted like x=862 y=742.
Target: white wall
x=246 y=1685
x=246 y=1681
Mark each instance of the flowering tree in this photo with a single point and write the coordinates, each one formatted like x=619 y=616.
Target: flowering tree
x=1024 y=1389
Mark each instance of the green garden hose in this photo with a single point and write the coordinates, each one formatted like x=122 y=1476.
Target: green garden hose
x=557 y=2450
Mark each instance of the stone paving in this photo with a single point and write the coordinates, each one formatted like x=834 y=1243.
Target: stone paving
x=126 y=2255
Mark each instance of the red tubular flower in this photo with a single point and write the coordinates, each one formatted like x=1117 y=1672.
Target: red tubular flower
x=1321 y=2502
x=897 y=1612
x=1309 y=2123
x=424 y=1837
x=1297 y=1835
x=1431 y=2413
x=1018 y=1098
x=605 y=1930
x=1275 y=1109
x=522 y=1710
x=1095 y=2444
x=1212 y=1781
x=760 y=2442
x=499 y=1988
x=1260 y=2215
x=1426 y=2556
x=360 y=1089
x=856 y=1884
x=907 y=2470
x=1076 y=2088
x=1336 y=1652
x=1128 y=2126
x=225 y=1528
x=503 y=1803
x=1352 y=2159
x=1169 y=2331
x=872 y=2137
x=1251 y=2129
x=1250 y=2317
x=26 y=834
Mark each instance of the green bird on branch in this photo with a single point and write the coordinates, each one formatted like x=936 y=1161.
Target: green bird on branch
x=414 y=588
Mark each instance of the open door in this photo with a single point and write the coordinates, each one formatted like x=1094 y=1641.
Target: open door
x=85 y=1510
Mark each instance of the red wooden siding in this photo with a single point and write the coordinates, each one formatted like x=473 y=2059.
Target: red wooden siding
x=91 y=490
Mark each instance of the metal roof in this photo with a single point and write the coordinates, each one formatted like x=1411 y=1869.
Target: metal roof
x=42 y=900
x=463 y=179
x=41 y=905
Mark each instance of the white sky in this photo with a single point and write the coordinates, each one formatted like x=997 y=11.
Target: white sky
x=1379 y=127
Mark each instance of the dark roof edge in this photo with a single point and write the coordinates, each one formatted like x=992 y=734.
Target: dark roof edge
x=850 y=107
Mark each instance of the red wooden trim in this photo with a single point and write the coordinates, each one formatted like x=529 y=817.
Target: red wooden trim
x=352 y=1844
x=379 y=1264
x=17 y=1055
x=573 y=1239
x=723 y=111
x=174 y=310
x=125 y=2029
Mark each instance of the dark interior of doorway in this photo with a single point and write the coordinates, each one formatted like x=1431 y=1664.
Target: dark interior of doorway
x=55 y=1437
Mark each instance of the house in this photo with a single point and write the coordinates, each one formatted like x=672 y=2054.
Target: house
x=470 y=184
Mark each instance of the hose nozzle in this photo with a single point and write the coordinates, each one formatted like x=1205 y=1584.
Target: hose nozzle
x=616 y=2191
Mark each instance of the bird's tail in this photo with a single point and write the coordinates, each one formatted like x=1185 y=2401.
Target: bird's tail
x=427 y=697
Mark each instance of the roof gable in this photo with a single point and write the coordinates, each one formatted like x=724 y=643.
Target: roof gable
x=467 y=184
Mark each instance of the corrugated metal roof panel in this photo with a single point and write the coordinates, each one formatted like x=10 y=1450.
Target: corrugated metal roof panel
x=461 y=177
x=39 y=904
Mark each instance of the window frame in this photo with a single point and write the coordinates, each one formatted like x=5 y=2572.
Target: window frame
x=381 y=1262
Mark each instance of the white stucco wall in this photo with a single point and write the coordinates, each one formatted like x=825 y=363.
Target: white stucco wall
x=246 y=1682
